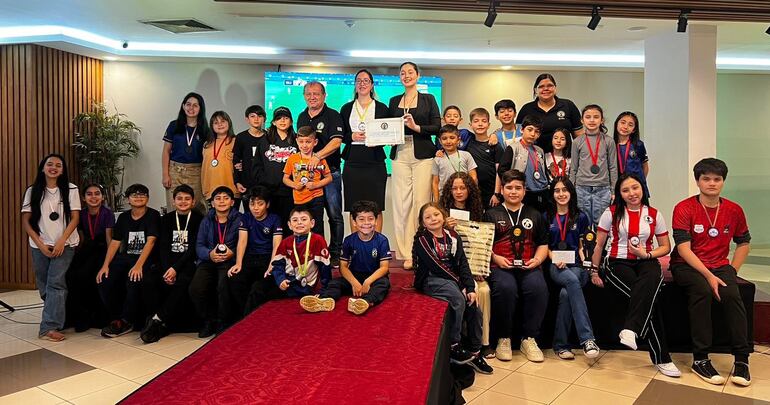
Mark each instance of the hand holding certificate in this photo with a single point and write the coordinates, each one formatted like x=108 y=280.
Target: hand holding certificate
x=385 y=131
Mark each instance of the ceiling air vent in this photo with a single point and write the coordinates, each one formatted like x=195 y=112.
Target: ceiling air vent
x=184 y=26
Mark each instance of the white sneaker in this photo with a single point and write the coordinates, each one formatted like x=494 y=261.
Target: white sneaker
x=530 y=349
x=566 y=354
x=503 y=351
x=628 y=338
x=669 y=369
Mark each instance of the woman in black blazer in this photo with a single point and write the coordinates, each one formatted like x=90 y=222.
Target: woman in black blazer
x=413 y=160
x=364 y=175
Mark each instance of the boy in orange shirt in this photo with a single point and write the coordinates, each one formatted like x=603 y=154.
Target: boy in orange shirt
x=307 y=181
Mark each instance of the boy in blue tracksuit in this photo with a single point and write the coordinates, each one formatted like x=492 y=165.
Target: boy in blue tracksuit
x=215 y=248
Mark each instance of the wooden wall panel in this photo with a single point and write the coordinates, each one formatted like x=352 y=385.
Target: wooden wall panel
x=41 y=91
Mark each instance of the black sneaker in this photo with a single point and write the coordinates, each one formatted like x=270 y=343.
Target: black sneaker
x=487 y=352
x=458 y=355
x=335 y=262
x=153 y=331
x=706 y=372
x=209 y=329
x=480 y=365
x=741 y=374
x=117 y=328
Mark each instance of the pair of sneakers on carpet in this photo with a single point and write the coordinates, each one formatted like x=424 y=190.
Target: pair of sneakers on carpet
x=458 y=355
x=314 y=303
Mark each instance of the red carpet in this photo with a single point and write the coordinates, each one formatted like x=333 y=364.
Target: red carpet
x=283 y=355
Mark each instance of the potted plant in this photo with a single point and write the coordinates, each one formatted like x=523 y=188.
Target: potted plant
x=102 y=143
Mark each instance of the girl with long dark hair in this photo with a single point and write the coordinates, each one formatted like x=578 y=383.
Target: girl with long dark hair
x=50 y=215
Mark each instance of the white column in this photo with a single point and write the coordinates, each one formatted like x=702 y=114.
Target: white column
x=679 y=110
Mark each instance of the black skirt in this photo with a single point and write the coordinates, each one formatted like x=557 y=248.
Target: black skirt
x=364 y=182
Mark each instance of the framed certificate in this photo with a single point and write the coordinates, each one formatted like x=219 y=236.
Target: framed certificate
x=385 y=131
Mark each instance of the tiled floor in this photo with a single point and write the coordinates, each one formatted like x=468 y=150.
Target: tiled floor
x=88 y=369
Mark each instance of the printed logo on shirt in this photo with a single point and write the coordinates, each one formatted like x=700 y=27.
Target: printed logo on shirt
x=279 y=154
x=266 y=230
x=179 y=242
x=561 y=114
x=320 y=126
x=136 y=241
x=632 y=154
x=374 y=253
x=648 y=219
x=727 y=229
x=253 y=151
x=527 y=223
x=698 y=228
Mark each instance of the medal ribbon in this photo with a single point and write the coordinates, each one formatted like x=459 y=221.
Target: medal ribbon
x=361 y=117
x=219 y=231
x=622 y=163
x=190 y=137
x=459 y=162
x=439 y=247
x=562 y=228
x=594 y=155
x=406 y=104
x=559 y=171
x=179 y=229
x=302 y=268
x=517 y=253
x=92 y=226
x=217 y=150
x=712 y=224
x=531 y=152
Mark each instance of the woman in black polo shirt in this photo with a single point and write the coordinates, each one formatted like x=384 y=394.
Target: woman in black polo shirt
x=364 y=175
x=183 y=149
x=555 y=112
x=413 y=160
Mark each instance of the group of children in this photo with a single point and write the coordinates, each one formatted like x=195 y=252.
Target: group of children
x=546 y=209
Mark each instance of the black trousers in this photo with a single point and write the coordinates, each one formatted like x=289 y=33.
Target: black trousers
x=340 y=286
x=239 y=285
x=172 y=302
x=208 y=291
x=699 y=301
x=282 y=205
x=121 y=296
x=640 y=282
x=84 y=306
x=510 y=288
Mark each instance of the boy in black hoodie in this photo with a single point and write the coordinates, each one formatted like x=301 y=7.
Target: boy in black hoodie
x=167 y=285
x=215 y=247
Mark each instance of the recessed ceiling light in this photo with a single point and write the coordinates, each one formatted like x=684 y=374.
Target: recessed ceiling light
x=110 y=58
x=506 y=67
x=636 y=28
x=316 y=64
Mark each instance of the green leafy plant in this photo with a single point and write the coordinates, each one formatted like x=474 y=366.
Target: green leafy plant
x=103 y=141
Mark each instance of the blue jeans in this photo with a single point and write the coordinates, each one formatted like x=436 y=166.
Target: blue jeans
x=572 y=306
x=51 y=282
x=333 y=203
x=458 y=312
x=593 y=200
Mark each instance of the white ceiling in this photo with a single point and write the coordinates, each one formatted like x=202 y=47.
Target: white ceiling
x=300 y=34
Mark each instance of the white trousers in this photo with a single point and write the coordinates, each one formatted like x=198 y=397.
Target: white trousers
x=411 y=179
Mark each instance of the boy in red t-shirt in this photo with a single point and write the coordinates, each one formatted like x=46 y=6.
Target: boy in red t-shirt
x=703 y=227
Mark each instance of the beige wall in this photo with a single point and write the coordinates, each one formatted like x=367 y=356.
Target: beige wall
x=149 y=93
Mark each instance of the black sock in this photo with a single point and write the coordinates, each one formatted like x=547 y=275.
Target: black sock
x=742 y=358
x=700 y=356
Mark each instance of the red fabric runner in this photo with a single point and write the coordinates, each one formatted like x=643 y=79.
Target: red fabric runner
x=280 y=354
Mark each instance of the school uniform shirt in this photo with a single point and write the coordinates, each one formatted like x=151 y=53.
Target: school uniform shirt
x=271 y=162
x=210 y=229
x=94 y=227
x=244 y=151
x=557 y=166
x=645 y=224
x=580 y=167
x=365 y=256
x=327 y=126
x=178 y=141
x=51 y=231
x=575 y=232
x=521 y=157
x=443 y=258
x=286 y=263
x=631 y=157
x=296 y=169
x=691 y=223
x=352 y=113
x=174 y=244
x=487 y=157
x=507 y=138
x=447 y=165
x=221 y=175
x=534 y=226
x=133 y=234
x=260 y=232
x=564 y=114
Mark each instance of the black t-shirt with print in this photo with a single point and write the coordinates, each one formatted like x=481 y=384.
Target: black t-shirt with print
x=133 y=233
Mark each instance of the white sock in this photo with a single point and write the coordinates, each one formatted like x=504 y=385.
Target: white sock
x=157 y=318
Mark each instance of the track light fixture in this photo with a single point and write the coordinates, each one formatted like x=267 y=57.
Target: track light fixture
x=491 y=14
x=681 y=24
x=595 y=18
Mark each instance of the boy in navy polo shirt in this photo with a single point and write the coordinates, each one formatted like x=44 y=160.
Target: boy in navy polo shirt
x=363 y=265
x=259 y=235
x=703 y=227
